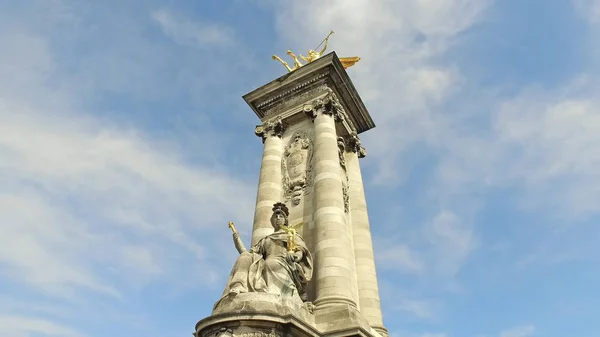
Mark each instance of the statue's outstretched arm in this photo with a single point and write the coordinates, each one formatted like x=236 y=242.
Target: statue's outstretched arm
x=239 y=245
x=275 y=57
x=304 y=58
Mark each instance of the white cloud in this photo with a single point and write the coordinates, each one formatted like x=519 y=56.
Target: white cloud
x=590 y=9
x=19 y=326
x=396 y=256
x=399 y=77
x=88 y=207
x=451 y=240
x=190 y=33
x=551 y=138
x=73 y=192
x=426 y=334
x=541 y=143
x=419 y=308
x=520 y=331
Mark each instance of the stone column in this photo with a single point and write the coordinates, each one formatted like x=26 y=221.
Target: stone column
x=269 y=181
x=368 y=290
x=333 y=245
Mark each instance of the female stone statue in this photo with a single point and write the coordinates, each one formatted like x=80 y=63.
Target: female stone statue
x=272 y=266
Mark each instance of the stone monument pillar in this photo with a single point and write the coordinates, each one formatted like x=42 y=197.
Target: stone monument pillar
x=310 y=270
x=269 y=180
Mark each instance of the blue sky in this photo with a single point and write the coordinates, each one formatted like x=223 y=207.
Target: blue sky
x=126 y=148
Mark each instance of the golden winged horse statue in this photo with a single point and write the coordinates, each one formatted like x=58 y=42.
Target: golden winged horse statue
x=347 y=62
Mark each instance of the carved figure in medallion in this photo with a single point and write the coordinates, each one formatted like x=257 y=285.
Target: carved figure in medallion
x=296 y=167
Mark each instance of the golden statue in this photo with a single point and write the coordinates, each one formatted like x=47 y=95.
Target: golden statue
x=313 y=55
x=291 y=231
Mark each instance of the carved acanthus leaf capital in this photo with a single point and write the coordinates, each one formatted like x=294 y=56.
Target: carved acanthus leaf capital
x=271 y=128
x=353 y=144
x=333 y=106
x=328 y=104
x=309 y=111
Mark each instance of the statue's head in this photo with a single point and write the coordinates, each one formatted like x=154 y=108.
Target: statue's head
x=313 y=54
x=280 y=215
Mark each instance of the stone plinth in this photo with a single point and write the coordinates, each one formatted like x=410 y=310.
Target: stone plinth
x=264 y=304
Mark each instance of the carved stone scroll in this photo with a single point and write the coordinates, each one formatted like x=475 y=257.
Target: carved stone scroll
x=272 y=128
x=329 y=104
x=297 y=167
x=353 y=144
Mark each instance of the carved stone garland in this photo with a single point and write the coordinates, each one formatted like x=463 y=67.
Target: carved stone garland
x=296 y=166
x=342 y=156
x=229 y=332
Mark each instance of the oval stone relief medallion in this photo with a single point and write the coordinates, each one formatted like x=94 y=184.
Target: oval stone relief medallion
x=296 y=167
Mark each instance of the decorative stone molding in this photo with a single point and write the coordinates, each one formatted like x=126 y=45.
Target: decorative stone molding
x=353 y=144
x=310 y=307
x=346 y=198
x=296 y=99
x=340 y=114
x=325 y=105
x=272 y=128
x=224 y=332
x=272 y=333
x=341 y=152
x=282 y=95
x=329 y=105
x=244 y=331
x=296 y=167
x=333 y=106
x=342 y=155
x=309 y=111
x=293 y=92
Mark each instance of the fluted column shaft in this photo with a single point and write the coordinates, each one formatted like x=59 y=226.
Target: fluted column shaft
x=368 y=290
x=333 y=252
x=269 y=181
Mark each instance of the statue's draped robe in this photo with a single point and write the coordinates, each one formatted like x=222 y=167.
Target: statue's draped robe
x=265 y=268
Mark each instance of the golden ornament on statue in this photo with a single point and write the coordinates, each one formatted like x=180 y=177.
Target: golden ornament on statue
x=291 y=231
x=313 y=55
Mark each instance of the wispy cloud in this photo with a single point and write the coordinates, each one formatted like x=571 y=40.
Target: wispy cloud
x=18 y=326
x=520 y=331
x=590 y=9
x=93 y=210
x=192 y=33
x=125 y=151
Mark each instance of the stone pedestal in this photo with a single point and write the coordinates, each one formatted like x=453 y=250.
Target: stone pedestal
x=311 y=119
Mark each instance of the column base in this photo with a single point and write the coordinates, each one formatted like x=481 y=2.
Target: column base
x=382 y=331
x=338 y=318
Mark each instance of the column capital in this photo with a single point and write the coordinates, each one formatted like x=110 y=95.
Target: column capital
x=271 y=128
x=353 y=144
x=329 y=105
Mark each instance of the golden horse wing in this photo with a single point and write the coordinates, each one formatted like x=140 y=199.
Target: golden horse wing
x=348 y=62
